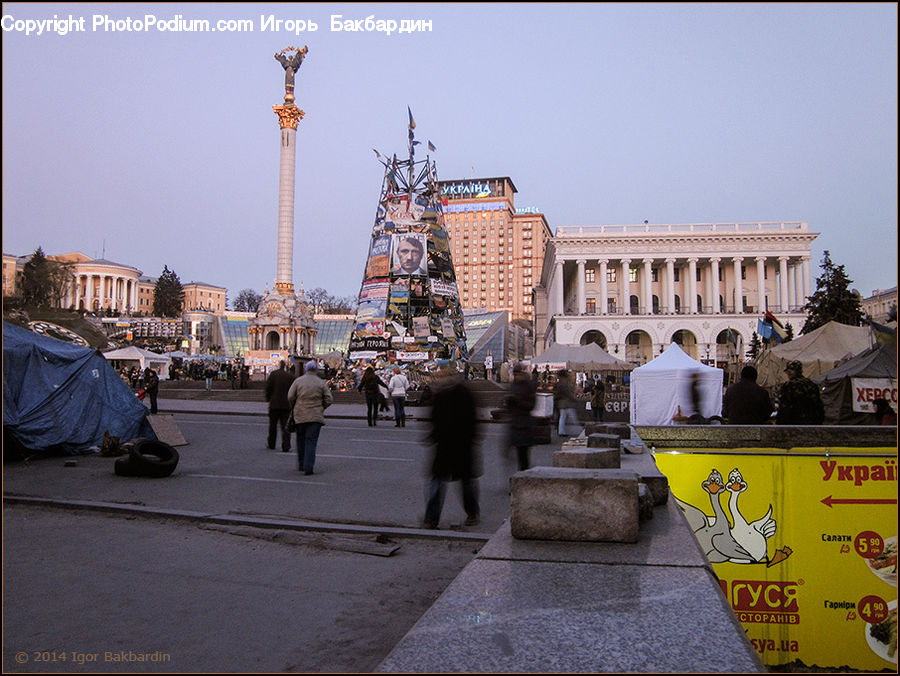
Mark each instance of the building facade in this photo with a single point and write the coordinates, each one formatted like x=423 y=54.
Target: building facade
x=99 y=284
x=201 y=296
x=878 y=306
x=634 y=289
x=497 y=252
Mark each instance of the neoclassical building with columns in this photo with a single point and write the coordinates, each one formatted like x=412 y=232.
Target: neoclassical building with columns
x=99 y=284
x=634 y=289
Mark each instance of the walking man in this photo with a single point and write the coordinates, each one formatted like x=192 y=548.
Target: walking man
x=277 y=386
x=397 y=386
x=309 y=396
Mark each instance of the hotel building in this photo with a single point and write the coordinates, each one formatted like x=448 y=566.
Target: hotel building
x=634 y=289
x=498 y=252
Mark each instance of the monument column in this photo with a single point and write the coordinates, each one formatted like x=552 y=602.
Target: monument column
x=289 y=116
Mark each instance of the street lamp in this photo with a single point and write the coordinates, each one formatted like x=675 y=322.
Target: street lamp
x=707 y=353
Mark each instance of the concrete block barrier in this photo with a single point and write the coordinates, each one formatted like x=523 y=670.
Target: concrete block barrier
x=588 y=458
x=563 y=503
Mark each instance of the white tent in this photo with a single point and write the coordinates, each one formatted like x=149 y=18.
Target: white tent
x=663 y=386
x=590 y=357
x=135 y=356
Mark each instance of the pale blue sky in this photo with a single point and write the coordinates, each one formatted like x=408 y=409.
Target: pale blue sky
x=163 y=147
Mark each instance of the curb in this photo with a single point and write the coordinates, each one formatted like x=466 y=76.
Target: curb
x=234 y=520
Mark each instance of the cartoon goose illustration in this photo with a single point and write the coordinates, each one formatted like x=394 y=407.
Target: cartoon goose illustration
x=750 y=536
x=713 y=533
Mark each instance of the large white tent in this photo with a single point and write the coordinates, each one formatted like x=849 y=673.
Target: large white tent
x=135 y=356
x=663 y=386
x=590 y=357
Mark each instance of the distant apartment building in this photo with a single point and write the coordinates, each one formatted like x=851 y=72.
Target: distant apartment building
x=202 y=296
x=497 y=252
x=878 y=306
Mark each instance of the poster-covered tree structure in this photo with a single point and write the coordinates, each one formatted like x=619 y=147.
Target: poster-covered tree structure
x=408 y=308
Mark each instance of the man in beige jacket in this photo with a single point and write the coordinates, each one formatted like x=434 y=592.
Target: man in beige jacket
x=309 y=396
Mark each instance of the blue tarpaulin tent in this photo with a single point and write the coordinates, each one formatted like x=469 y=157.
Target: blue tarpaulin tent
x=60 y=398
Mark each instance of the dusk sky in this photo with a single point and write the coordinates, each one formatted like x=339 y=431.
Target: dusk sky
x=155 y=148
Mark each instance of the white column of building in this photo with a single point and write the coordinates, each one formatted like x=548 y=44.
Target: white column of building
x=793 y=291
x=760 y=284
x=558 y=295
x=670 y=285
x=738 y=286
x=579 y=287
x=626 y=286
x=783 y=274
x=692 y=285
x=647 y=286
x=717 y=307
x=134 y=295
x=604 y=288
x=804 y=279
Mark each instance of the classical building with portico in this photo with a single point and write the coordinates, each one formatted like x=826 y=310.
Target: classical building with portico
x=634 y=289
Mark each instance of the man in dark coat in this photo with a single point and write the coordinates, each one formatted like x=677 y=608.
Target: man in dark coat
x=746 y=403
x=799 y=399
x=520 y=404
x=151 y=387
x=277 y=385
x=454 y=434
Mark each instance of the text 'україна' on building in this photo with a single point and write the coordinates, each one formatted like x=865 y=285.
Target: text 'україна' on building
x=498 y=251
x=634 y=289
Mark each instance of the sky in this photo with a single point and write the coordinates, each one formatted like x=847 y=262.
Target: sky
x=154 y=147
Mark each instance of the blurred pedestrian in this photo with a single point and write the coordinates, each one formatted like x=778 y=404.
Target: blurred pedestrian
x=884 y=414
x=397 y=386
x=151 y=388
x=278 y=384
x=745 y=402
x=565 y=403
x=370 y=383
x=454 y=435
x=521 y=401
x=697 y=417
x=799 y=400
x=309 y=396
x=598 y=400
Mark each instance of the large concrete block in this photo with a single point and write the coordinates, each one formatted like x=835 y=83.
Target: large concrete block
x=597 y=440
x=588 y=458
x=622 y=430
x=659 y=486
x=563 y=503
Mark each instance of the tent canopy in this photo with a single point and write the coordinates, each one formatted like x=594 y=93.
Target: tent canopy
x=819 y=351
x=63 y=397
x=590 y=357
x=661 y=387
x=847 y=388
x=144 y=358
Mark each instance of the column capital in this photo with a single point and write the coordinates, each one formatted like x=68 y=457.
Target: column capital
x=581 y=261
x=603 y=261
x=737 y=259
x=625 y=261
x=784 y=258
x=288 y=115
x=760 y=259
x=647 y=261
x=693 y=259
x=671 y=261
x=715 y=259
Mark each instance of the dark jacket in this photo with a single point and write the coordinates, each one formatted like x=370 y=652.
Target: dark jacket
x=746 y=403
x=277 y=385
x=370 y=383
x=520 y=404
x=800 y=403
x=453 y=432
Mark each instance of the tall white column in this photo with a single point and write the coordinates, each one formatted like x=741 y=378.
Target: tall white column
x=738 y=286
x=626 y=286
x=670 y=285
x=647 y=286
x=604 y=287
x=558 y=290
x=783 y=275
x=579 y=287
x=804 y=279
x=692 y=285
x=289 y=116
x=760 y=284
x=717 y=306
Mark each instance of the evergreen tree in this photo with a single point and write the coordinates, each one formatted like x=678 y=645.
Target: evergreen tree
x=833 y=299
x=789 y=332
x=755 y=346
x=44 y=281
x=168 y=297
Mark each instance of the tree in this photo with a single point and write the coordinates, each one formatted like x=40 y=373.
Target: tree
x=327 y=304
x=247 y=301
x=789 y=332
x=755 y=346
x=833 y=299
x=168 y=297
x=45 y=281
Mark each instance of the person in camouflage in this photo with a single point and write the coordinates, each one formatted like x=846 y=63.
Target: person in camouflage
x=799 y=400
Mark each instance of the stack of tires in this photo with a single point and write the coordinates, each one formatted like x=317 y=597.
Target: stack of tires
x=148 y=458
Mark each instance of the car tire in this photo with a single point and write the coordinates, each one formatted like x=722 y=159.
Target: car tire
x=153 y=458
